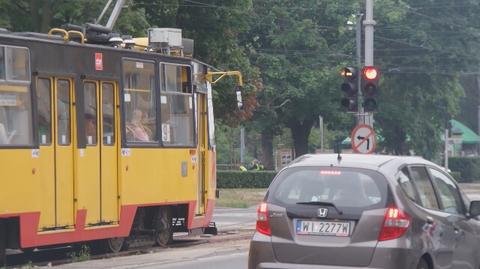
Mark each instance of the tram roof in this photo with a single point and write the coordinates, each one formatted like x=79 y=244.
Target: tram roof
x=53 y=39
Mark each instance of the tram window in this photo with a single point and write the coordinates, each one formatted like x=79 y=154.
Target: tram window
x=108 y=115
x=90 y=112
x=15 y=115
x=15 y=99
x=63 y=112
x=139 y=101
x=17 y=64
x=177 y=78
x=44 y=111
x=177 y=106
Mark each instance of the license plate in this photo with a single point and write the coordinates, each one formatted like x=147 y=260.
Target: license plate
x=329 y=228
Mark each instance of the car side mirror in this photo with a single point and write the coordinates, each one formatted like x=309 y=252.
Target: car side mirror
x=474 y=209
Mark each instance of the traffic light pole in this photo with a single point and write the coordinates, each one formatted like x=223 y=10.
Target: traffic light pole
x=360 y=113
x=369 y=24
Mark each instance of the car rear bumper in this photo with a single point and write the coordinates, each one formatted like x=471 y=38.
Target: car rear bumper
x=387 y=255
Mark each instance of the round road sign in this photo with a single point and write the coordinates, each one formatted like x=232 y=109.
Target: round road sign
x=363 y=139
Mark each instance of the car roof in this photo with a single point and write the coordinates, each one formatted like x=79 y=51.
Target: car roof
x=375 y=162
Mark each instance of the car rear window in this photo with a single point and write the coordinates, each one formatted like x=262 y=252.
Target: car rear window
x=344 y=187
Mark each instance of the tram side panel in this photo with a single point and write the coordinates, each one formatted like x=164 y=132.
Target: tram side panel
x=157 y=176
x=147 y=176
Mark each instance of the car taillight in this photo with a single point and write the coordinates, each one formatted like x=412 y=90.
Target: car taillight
x=263 y=226
x=395 y=224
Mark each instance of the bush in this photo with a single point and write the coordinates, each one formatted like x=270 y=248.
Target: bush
x=244 y=179
x=468 y=167
x=456 y=175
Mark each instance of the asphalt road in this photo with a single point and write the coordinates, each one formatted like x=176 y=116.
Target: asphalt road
x=236 y=260
x=235 y=219
x=221 y=254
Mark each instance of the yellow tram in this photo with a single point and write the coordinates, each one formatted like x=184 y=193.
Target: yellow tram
x=102 y=140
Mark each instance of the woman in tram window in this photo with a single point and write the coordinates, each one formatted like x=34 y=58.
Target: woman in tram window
x=136 y=129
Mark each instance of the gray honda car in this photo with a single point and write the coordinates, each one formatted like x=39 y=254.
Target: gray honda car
x=365 y=211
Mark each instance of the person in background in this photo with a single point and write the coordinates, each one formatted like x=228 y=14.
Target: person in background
x=255 y=165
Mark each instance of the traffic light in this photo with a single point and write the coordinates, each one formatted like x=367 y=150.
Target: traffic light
x=370 y=78
x=350 y=89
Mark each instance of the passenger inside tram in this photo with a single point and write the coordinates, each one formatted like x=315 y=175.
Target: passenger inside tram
x=136 y=128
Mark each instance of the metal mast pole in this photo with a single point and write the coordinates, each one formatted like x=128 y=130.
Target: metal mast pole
x=322 y=135
x=360 y=113
x=446 y=148
x=369 y=28
x=369 y=24
x=242 y=145
x=478 y=111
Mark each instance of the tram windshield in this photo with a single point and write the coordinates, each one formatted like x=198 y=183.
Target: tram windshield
x=15 y=97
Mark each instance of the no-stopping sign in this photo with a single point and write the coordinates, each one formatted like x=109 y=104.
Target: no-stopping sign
x=363 y=139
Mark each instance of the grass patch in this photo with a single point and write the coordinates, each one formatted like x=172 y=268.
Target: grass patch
x=81 y=255
x=240 y=198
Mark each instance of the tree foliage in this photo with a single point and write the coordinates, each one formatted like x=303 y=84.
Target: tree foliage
x=299 y=46
x=422 y=48
x=290 y=52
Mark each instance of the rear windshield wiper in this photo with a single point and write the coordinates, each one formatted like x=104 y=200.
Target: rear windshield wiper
x=321 y=203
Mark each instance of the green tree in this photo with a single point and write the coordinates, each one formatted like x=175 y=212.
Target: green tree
x=299 y=47
x=41 y=15
x=216 y=27
x=422 y=47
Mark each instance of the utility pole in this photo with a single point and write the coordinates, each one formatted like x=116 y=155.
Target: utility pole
x=369 y=24
x=320 y=126
x=478 y=111
x=446 y=148
x=242 y=145
x=361 y=113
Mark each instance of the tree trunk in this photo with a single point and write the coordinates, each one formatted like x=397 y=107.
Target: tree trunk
x=300 y=133
x=267 y=150
x=34 y=22
x=46 y=17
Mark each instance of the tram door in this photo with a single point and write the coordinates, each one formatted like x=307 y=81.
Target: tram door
x=100 y=108
x=55 y=107
x=202 y=151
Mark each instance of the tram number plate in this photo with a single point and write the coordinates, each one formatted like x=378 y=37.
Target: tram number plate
x=328 y=228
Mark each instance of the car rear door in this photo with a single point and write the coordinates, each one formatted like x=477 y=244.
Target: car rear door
x=325 y=216
x=466 y=241
x=436 y=226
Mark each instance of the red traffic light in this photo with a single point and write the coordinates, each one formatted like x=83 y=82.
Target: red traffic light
x=370 y=73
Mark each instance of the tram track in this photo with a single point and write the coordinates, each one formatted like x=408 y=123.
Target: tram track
x=69 y=254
